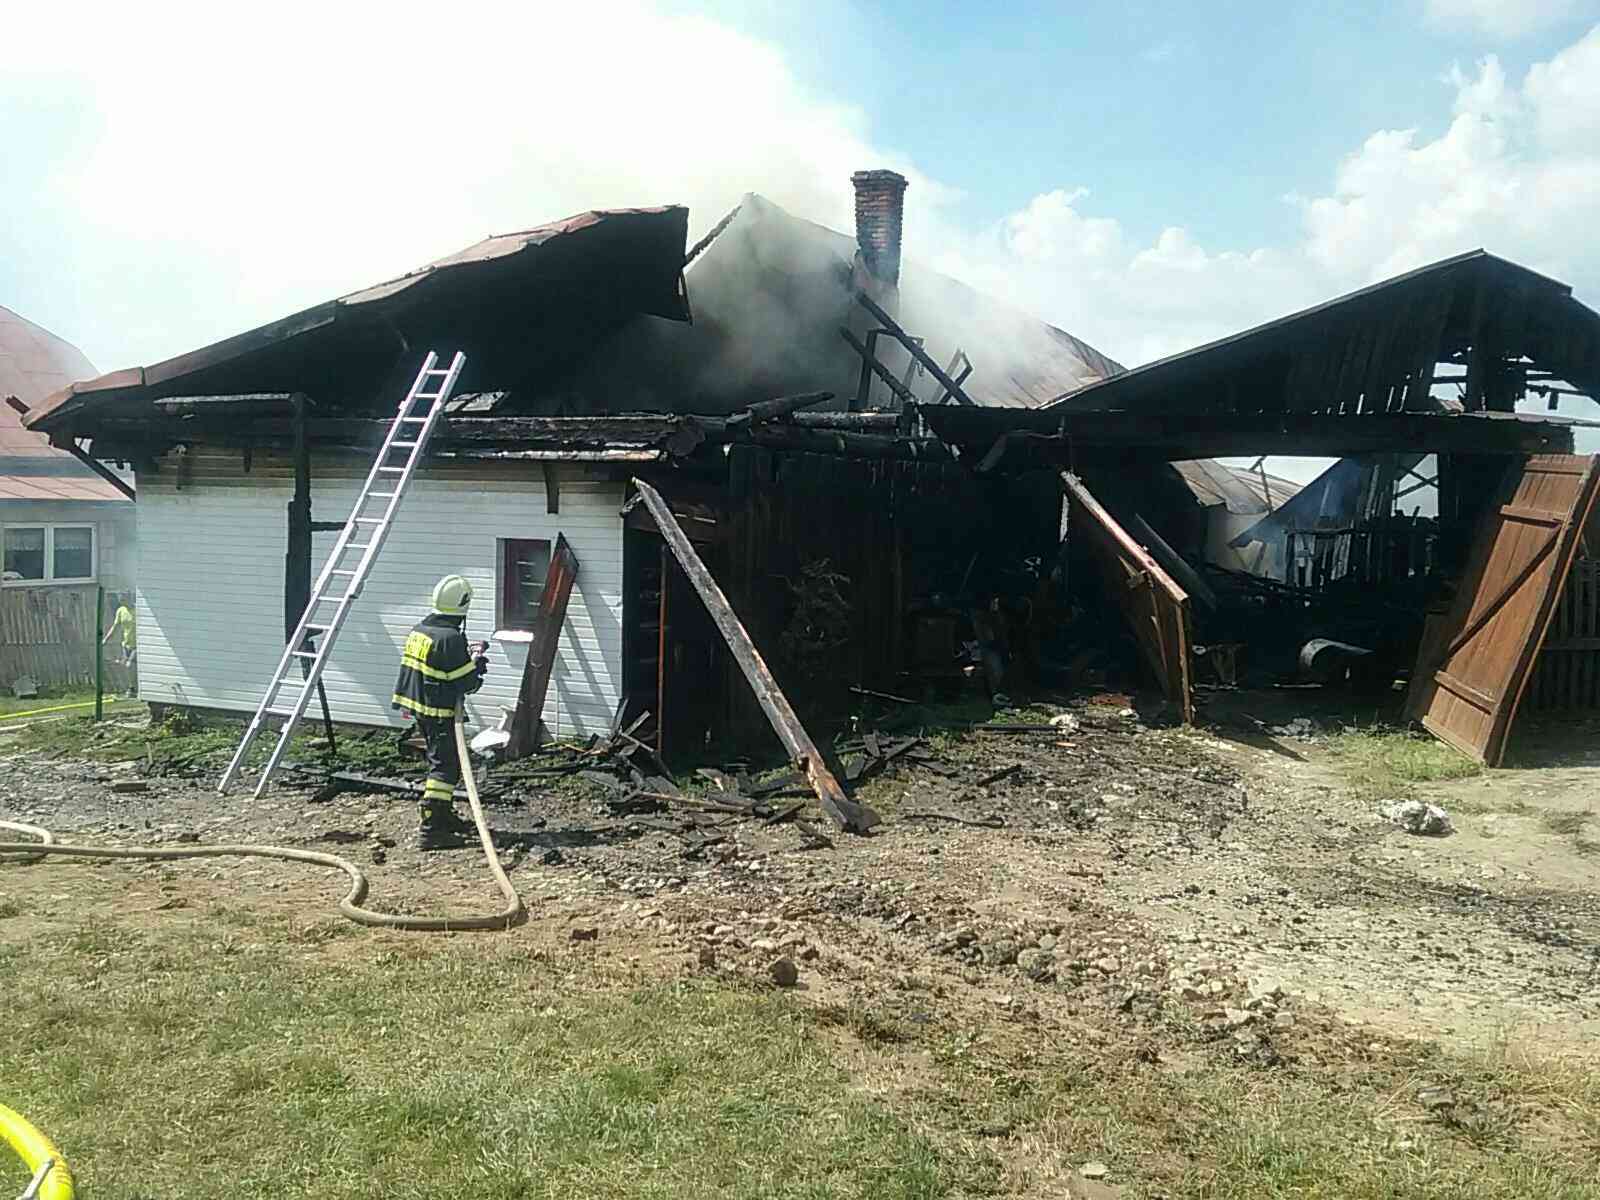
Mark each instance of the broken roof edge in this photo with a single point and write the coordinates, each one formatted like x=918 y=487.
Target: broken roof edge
x=1370 y=290
x=104 y=388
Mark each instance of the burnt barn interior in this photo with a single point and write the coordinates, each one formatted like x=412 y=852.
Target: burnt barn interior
x=903 y=489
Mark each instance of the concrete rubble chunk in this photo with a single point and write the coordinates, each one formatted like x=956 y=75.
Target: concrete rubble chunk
x=1414 y=816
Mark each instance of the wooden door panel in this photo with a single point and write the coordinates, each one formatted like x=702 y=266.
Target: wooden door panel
x=1475 y=663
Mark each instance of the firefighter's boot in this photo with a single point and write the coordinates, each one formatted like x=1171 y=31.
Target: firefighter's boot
x=442 y=829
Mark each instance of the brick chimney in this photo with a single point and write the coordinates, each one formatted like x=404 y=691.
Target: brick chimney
x=880 y=205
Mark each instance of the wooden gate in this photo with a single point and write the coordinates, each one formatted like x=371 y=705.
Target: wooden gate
x=1156 y=608
x=1475 y=663
x=1568 y=672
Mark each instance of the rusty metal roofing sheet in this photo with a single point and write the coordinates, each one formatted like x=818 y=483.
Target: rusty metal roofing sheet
x=1241 y=491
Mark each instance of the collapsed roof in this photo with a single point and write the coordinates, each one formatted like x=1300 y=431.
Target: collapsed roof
x=770 y=293
x=1378 y=350
x=566 y=320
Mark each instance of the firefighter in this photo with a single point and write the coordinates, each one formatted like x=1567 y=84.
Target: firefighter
x=438 y=668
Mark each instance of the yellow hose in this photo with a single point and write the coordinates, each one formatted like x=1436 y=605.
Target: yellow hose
x=34 y=712
x=350 y=905
x=35 y=1150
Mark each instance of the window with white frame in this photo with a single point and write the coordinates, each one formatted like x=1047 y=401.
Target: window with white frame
x=49 y=554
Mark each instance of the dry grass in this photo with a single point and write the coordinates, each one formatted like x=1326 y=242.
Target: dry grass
x=233 y=1051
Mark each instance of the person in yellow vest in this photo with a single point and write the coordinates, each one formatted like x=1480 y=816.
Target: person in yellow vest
x=125 y=623
x=437 y=669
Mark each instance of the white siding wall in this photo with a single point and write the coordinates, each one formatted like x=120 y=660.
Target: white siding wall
x=211 y=588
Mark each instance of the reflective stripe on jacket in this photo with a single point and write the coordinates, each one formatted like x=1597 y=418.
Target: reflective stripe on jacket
x=436 y=668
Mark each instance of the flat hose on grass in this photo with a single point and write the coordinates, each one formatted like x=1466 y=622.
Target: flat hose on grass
x=350 y=905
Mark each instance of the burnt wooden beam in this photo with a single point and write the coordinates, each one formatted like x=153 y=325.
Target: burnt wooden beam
x=72 y=448
x=869 y=361
x=914 y=348
x=1054 y=434
x=852 y=422
x=847 y=814
x=100 y=469
x=854 y=445
x=763 y=411
x=542 y=650
x=552 y=488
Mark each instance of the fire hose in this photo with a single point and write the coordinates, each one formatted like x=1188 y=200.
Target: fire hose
x=350 y=905
x=51 y=1179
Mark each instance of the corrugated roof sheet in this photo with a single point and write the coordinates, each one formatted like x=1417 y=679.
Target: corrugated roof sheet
x=1240 y=490
x=34 y=363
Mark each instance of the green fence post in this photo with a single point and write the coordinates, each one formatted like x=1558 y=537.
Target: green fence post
x=99 y=651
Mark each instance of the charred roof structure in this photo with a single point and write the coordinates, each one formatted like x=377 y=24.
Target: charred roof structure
x=817 y=408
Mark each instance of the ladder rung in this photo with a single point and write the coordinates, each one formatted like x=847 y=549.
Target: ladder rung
x=309 y=628
x=278 y=712
x=402 y=445
x=357 y=545
x=305 y=653
x=381 y=495
x=393 y=470
x=341 y=571
x=437 y=371
x=369 y=520
x=416 y=420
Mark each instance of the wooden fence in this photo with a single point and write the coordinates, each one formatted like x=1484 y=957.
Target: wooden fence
x=48 y=634
x=1568 y=670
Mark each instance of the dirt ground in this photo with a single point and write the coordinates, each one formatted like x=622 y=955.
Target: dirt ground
x=1228 y=869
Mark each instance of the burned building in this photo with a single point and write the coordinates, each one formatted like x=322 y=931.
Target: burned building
x=909 y=480
x=598 y=349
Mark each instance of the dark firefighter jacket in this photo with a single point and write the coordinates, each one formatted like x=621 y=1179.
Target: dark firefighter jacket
x=436 y=668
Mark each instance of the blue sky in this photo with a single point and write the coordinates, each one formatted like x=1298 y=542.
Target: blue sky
x=1147 y=175
x=1203 y=115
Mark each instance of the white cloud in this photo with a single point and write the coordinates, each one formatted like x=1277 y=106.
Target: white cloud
x=1516 y=171
x=1500 y=18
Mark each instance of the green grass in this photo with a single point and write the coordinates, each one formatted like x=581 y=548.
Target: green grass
x=1383 y=764
x=238 y=1052
x=212 y=1065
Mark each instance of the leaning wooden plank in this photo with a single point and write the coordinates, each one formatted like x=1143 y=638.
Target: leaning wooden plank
x=1157 y=609
x=847 y=814
x=542 y=650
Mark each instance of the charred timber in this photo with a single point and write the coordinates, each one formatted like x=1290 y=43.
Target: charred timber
x=914 y=349
x=763 y=411
x=870 y=361
x=679 y=435
x=1115 y=436
x=803 y=752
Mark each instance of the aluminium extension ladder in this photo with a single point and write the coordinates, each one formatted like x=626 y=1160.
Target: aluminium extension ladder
x=348 y=566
